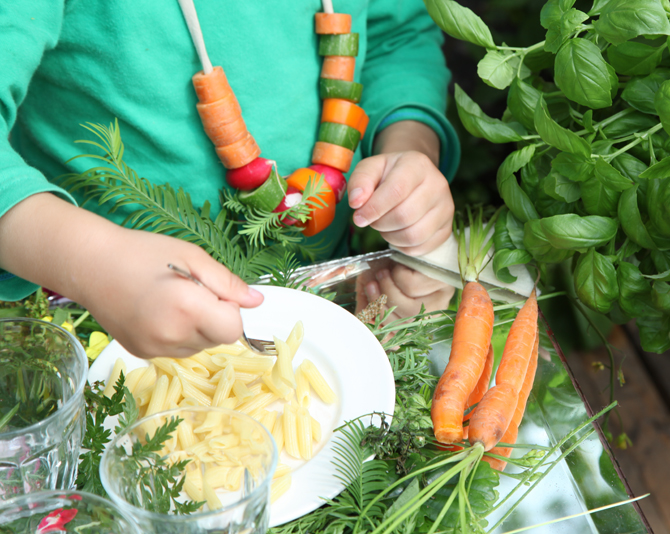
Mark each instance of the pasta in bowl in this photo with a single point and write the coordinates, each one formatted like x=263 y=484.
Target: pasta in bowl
x=342 y=350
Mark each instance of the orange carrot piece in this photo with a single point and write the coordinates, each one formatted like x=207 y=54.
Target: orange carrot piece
x=215 y=114
x=211 y=87
x=481 y=388
x=513 y=429
x=320 y=217
x=519 y=346
x=332 y=23
x=493 y=415
x=473 y=327
x=334 y=155
x=238 y=154
x=225 y=134
x=338 y=68
x=344 y=112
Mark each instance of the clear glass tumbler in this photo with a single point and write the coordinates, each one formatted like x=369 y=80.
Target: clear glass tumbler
x=63 y=511
x=228 y=460
x=43 y=370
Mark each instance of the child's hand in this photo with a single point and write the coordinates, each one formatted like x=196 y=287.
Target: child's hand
x=121 y=277
x=400 y=191
x=151 y=310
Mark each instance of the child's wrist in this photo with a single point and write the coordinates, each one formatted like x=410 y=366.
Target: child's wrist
x=404 y=136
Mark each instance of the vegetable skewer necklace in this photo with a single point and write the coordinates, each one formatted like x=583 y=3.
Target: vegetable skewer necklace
x=343 y=124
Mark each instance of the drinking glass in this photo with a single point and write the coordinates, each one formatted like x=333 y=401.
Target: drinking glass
x=43 y=370
x=63 y=511
x=229 y=462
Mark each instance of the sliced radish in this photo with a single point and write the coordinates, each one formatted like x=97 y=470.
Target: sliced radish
x=334 y=178
x=251 y=176
x=293 y=196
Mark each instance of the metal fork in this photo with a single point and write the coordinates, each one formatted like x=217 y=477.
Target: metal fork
x=259 y=346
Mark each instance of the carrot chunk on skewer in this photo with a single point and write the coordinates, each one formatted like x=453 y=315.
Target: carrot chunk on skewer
x=339 y=68
x=211 y=87
x=344 y=112
x=239 y=153
x=334 y=155
x=332 y=23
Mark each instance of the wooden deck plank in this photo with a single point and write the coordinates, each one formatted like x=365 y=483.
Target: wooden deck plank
x=645 y=418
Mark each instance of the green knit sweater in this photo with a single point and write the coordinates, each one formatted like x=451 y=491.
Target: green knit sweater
x=65 y=63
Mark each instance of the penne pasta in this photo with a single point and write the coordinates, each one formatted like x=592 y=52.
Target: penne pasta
x=294 y=339
x=119 y=367
x=290 y=432
x=278 y=433
x=279 y=486
x=188 y=390
x=246 y=362
x=148 y=379
x=133 y=377
x=275 y=384
x=316 y=430
x=193 y=484
x=268 y=419
x=257 y=402
x=282 y=470
x=173 y=393
x=204 y=359
x=302 y=388
x=241 y=391
x=233 y=350
x=318 y=383
x=193 y=366
x=284 y=362
x=304 y=433
x=213 y=501
x=166 y=365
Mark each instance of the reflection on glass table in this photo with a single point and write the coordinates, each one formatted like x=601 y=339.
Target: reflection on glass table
x=586 y=478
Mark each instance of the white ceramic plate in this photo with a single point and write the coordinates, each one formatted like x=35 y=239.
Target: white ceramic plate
x=349 y=357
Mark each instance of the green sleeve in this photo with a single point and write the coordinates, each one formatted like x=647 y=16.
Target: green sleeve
x=405 y=75
x=30 y=28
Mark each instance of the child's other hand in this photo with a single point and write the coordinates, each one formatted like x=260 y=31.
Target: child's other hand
x=401 y=193
x=151 y=310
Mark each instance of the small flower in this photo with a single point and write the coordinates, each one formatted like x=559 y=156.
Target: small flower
x=55 y=521
x=66 y=325
x=96 y=343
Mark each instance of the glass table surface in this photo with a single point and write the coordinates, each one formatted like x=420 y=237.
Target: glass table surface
x=589 y=477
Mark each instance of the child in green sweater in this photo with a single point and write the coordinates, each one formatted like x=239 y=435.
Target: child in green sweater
x=70 y=62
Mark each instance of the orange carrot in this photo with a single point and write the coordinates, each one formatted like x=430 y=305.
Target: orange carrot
x=338 y=68
x=211 y=87
x=224 y=134
x=222 y=111
x=334 y=155
x=344 y=112
x=240 y=153
x=320 y=217
x=332 y=23
x=513 y=428
x=473 y=327
x=481 y=388
x=495 y=411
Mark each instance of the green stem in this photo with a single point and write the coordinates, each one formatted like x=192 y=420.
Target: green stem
x=81 y=319
x=636 y=142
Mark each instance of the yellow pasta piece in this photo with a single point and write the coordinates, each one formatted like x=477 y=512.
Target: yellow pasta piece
x=316 y=429
x=185 y=435
x=133 y=377
x=224 y=386
x=278 y=433
x=229 y=403
x=316 y=380
x=294 y=339
x=282 y=470
x=290 y=432
x=166 y=365
x=284 y=362
x=119 y=367
x=224 y=441
x=193 y=484
x=193 y=366
x=143 y=397
x=211 y=497
x=302 y=388
x=188 y=390
x=148 y=379
x=268 y=419
x=275 y=384
x=246 y=377
x=234 y=479
x=216 y=475
x=246 y=362
x=204 y=359
x=203 y=384
x=304 y=433
x=241 y=391
x=173 y=393
x=279 y=486
x=187 y=402
x=158 y=396
x=258 y=402
x=226 y=349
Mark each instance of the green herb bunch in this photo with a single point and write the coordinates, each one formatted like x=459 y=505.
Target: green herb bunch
x=589 y=181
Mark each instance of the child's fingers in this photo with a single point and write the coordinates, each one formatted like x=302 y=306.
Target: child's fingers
x=408 y=212
x=435 y=240
x=418 y=233
x=225 y=285
x=415 y=284
x=366 y=177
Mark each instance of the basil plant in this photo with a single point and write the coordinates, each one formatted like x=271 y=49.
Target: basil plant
x=589 y=182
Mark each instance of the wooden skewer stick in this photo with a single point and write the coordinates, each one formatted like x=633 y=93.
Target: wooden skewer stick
x=191 y=16
x=327 y=6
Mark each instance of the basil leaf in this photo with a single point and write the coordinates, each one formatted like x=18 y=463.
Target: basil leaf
x=631 y=167
x=552 y=12
x=537 y=244
x=522 y=101
x=631 y=220
x=561 y=27
x=479 y=124
x=460 y=22
x=661 y=260
x=621 y=20
x=504 y=258
x=659 y=170
x=515 y=161
x=501 y=237
x=614 y=81
x=587 y=121
x=635 y=59
x=559 y=187
x=660 y=296
x=663 y=277
x=610 y=177
x=570 y=231
x=640 y=92
x=516 y=198
x=654 y=333
x=634 y=290
x=514 y=228
x=662 y=104
x=599 y=199
x=581 y=73
x=495 y=69
x=573 y=166
x=628 y=124
x=555 y=135
x=596 y=282
x=658 y=204
x=598 y=6
x=530 y=178
x=662 y=240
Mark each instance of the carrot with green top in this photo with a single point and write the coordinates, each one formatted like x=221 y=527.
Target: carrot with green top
x=473 y=327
